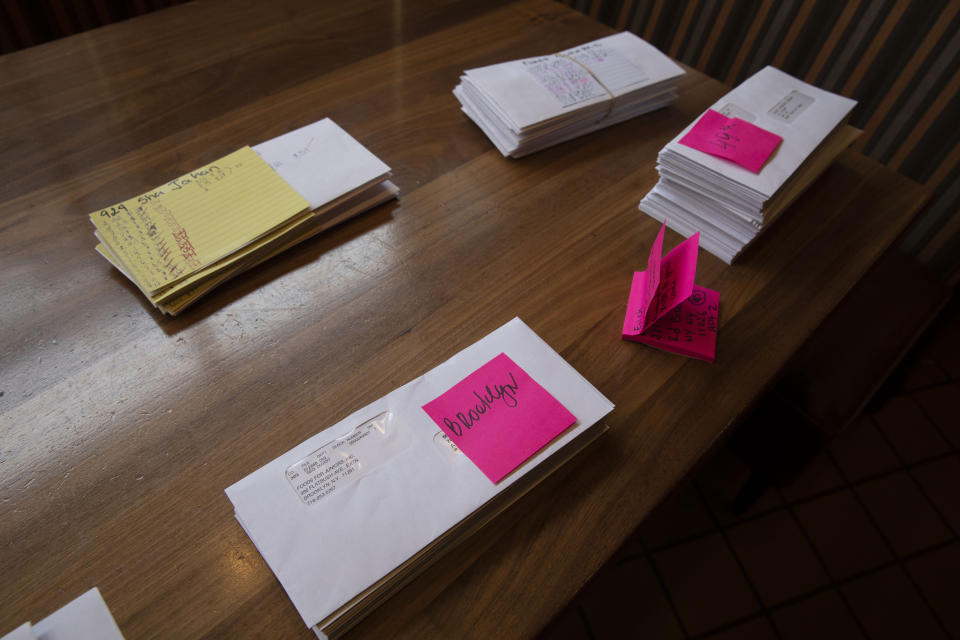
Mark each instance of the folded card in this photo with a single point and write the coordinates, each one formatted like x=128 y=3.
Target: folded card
x=666 y=310
x=353 y=508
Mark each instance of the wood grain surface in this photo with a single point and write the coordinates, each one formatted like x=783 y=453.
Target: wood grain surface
x=121 y=428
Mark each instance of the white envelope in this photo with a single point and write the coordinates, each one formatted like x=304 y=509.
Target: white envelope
x=802 y=114
x=322 y=162
x=409 y=486
x=523 y=101
x=84 y=618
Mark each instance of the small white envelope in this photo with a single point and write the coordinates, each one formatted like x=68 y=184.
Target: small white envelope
x=322 y=162
x=84 y=618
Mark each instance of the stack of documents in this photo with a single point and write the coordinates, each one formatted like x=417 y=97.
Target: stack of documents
x=86 y=618
x=734 y=170
x=349 y=516
x=527 y=105
x=182 y=239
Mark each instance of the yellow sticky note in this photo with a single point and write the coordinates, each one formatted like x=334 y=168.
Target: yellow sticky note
x=171 y=232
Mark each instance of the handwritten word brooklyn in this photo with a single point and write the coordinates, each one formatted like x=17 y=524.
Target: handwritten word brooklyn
x=507 y=393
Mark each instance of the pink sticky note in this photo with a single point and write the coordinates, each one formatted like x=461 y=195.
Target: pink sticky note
x=690 y=329
x=733 y=139
x=669 y=311
x=499 y=416
x=664 y=285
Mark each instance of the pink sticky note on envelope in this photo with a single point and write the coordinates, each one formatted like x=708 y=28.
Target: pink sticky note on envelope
x=675 y=315
x=733 y=139
x=499 y=416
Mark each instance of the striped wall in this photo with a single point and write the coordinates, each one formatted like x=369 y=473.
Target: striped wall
x=899 y=59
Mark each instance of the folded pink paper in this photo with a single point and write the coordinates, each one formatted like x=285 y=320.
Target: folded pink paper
x=499 y=416
x=732 y=139
x=666 y=310
x=689 y=329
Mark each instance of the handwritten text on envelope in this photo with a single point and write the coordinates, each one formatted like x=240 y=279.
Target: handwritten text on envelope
x=733 y=139
x=499 y=416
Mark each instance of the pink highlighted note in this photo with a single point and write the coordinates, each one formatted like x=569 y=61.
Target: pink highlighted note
x=499 y=416
x=667 y=310
x=732 y=139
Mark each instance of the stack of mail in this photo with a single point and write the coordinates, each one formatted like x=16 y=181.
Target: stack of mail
x=527 y=105
x=85 y=618
x=713 y=181
x=182 y=239
x=349 y=516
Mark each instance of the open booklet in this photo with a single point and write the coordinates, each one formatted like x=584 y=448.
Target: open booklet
x=526 y=105
x=707 y=184
x=666 y=310
x=349 y=516
x=180 y=240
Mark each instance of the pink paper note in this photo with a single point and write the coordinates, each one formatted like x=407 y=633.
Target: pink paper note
x=733 y=139
x=499 y=416
x=664 y=285
x=690 y=329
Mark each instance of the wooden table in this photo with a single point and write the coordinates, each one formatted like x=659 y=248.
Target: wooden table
x=121 y=428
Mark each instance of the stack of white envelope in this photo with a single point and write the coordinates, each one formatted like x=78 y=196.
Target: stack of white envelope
x=527 y=105
x=730 y=205
x=349 y=516
x=85 y=618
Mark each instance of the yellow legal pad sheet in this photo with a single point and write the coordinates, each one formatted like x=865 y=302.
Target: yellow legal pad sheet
x=169 y=233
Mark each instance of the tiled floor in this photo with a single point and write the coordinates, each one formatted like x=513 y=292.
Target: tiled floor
x=863 y=543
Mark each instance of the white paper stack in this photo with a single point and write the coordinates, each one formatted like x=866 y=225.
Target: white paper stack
x=85 y=618
x=527 y=105
x=349 y=516
x=730 y=205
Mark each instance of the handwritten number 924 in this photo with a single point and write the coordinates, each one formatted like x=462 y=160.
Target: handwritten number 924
x=113 y=211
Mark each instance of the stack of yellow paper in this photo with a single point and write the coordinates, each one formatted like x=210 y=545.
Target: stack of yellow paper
x=180 y=240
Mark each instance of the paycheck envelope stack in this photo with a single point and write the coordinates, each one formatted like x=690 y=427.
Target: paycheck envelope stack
x=348 y=517
x=180 y=240
x=527 y=105
x=729 y=204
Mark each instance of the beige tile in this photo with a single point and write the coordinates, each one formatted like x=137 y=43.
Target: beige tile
x=820 y=475
x=626 y=601
x=922 y=370
x=906 y=518
x=861 y=452
x=889 y=607
x=842 y=533
x=943 y=343
x=777 y=557
x=720 y=478
x=909 y=431
x=937 y=573
x=681 y=516
x=823 y=616
x=941 y=481
x=755 y=629
x=705 y=583
x=940 y=405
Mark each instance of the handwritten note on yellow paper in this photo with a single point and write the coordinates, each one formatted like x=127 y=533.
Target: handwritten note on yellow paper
x=170 y=232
